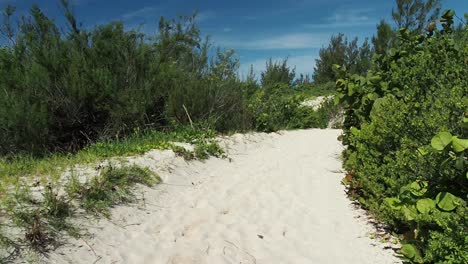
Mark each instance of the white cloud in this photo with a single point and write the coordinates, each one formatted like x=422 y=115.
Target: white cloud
x=141 y=13
x=347 y=18
x=287 y=41
x=204 y=16
x=351 y=16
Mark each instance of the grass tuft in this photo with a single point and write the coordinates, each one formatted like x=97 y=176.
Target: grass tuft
x=206 y=149
x=113 y=186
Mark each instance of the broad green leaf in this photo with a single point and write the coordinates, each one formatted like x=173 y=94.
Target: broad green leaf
x=424 y=206
x=465 y=122
x=337 y=99
x=423 y=151
x=411 y=252
x=408 y=251
x=375 y=79
x=459 y=144
x=418 y=188
x=441 y=140
x=336 y=67
x=350 y=89
x=447 y=201
x=448 y=13
x=460 y=163
x=354 y=131
x=340 y=83
x=409 y=212
x=393 y=203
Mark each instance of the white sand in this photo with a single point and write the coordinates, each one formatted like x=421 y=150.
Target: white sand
x=279 y=200
x=317 y=102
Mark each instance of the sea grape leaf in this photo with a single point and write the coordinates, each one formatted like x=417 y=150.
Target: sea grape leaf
x=411 y=252
x=441 y=140
x=426 y=205
x=393 y=203
x=423 y=151
x=409 y=212
x=354 y=131
x=418 y=188
x=460 y=163
x=447 y=201
x=448 y=13
x=459 y=144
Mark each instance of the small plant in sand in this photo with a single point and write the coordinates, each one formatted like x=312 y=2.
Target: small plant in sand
x=204 y=150
x=111 y=187
x=183 y=152
x=37 y=219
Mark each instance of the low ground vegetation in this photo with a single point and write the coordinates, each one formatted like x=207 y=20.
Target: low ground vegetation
x=38 y=219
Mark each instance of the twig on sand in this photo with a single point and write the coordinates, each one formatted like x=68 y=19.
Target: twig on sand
x=98 y=259
x=190 y=119
x=94 y=252
x=177 y=185
x=136 y=224
x=246 y=252
x=232 y=243
x=254 y=259
x=112 y=222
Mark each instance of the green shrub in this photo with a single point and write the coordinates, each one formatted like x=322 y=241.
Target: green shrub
x=391 y=116
x=312 y=89
x=64 y=91
x=280 y=107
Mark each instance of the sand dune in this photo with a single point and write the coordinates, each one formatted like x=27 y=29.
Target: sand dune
x=277 y=199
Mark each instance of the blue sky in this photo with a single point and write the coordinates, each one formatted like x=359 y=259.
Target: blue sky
x=256 y=29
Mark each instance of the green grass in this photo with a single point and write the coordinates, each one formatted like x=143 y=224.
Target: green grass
x=14 y=168
x=29 y=186
x=40 y=221
x=112 y=186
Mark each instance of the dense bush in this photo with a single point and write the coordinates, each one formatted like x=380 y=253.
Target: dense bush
x=60 y=91
x=274 y=107
x=393 y=114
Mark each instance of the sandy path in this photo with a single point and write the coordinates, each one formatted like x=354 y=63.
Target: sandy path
x=279 y=200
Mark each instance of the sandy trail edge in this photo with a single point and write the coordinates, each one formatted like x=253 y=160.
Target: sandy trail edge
x=279 y=200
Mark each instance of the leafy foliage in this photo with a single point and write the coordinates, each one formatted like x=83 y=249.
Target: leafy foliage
x=405 y=132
